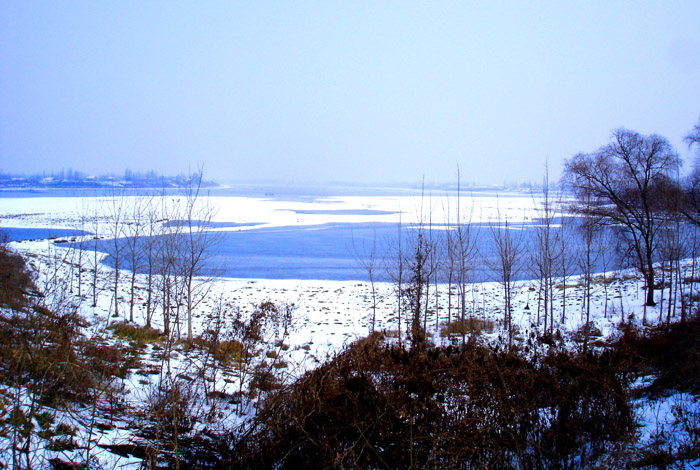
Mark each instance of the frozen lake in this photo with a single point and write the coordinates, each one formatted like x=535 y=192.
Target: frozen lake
x=290 y=234
x=336 y=251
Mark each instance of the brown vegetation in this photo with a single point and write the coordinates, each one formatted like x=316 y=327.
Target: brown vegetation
x=15 y=282
x=386 y=407
x=49 y=364
x=468 y=326
x=672 y=356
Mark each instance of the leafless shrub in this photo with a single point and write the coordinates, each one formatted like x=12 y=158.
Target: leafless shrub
x=387 y=407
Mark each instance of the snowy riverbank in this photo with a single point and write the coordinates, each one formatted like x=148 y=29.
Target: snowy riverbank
x=327 y=315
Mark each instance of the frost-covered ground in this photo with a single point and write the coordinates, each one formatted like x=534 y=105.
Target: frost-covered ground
x=327 y=314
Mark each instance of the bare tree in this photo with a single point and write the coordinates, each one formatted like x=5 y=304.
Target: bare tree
x=448 y=271
x=509 y=245
x=152 y=232
x=394 y=264
x=115 y=216
x=177 y=250
x=567 y=260
x=408 y=266
x=198 y=245
x=166 y=259
x=438 y=261
x=135 y=227
x=623 y=180
x=368 y=261
x=674 y=247
x=691 y=206
x=95 y=265
x=81 y=245
x=431 y=266
x=589 y=229
x=607 y=246
x=421 y=266
x=417 y=266
x=693 y=242
x=547 y=250
x=693 y=137
x=464 y=238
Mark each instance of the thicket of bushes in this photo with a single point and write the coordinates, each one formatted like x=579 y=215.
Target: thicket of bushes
x=671 y=354
x=376 y=406
x=46 y=350
x=47 y=364
x=379 y=406
x=15 y=282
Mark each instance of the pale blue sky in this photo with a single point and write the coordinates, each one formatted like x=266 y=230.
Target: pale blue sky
x=354 y=91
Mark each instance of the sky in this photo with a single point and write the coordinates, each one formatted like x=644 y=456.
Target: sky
x=364 y=92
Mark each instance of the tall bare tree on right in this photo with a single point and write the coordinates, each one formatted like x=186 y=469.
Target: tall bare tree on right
x=691 y=206
x=693 y=137
x=625 y=181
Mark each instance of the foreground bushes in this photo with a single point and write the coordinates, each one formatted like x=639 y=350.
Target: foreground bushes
x=383 y=407
x=671 y=354
x=371 y=406
x=14 y=279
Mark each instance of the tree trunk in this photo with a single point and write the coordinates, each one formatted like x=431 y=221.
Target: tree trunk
x=650 y=288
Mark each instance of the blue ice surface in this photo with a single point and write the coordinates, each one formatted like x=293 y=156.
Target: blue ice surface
x=336 y=252
x=15 y=234
x=327 y=252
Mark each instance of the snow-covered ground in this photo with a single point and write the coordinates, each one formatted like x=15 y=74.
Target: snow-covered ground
x=327 y=314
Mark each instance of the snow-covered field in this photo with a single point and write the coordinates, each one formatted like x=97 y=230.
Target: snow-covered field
x=327 y=314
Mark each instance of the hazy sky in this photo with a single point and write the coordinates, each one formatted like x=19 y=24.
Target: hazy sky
x=375 y=91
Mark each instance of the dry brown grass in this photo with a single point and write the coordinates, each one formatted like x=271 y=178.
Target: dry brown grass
x=469 y=326
x=135 y=333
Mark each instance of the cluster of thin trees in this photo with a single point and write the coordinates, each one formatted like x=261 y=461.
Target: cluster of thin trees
x=434 y=266
x=622 y=206
x=164 y=237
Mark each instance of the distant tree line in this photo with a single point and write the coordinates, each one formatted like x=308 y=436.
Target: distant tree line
x=71 y=178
